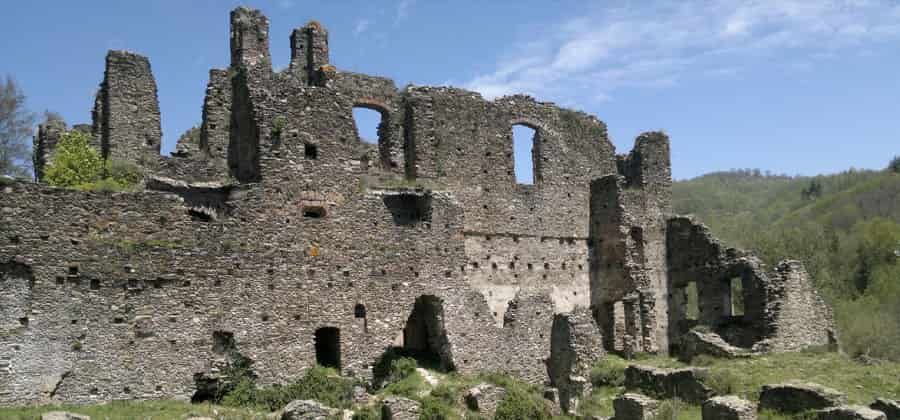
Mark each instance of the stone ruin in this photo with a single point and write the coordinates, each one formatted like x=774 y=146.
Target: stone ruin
x=280 y=236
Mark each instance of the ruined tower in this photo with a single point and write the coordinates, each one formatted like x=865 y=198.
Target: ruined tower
x=126 y=110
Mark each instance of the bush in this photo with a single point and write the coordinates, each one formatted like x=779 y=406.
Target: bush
x=75 y=162
x=894 y=166
x=610 y=371
x=78 y=165
x=436 y=409
x=319 y=383
x=367 y=413
x=394 y=365
x=722 y=381
x=521 y=405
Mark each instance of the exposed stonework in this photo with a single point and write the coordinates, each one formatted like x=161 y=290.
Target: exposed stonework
x=695 y=343
x=890 y=408
x=728 y=407
x=575 y=346
x=686 y=383
x=399 y=408
x=307 y=410
x=635 y=407
x=48 y=135
x=280 y=232
x=850 y=412
x=129 y=126
x=484 y=398
x=796 y=398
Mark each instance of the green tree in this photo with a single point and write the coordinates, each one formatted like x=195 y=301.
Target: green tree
x=75 y=162
x=878 y=248
x=894 y=166
x=16 y=127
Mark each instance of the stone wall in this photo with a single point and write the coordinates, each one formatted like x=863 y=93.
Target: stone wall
x=280 y=235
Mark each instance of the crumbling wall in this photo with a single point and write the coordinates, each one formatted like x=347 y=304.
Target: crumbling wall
x=627 y=228
x=780 y=309
x=214 y=130
x=525 y=343
x=48 y=135
x=575 y=346
x=129 y=125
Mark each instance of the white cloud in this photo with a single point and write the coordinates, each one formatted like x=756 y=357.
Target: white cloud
x=654 y=44
x=361 y=26
x=403 y=8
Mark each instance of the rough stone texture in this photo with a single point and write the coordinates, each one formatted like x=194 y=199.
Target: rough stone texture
x=795 y=398
x=635 y=407
x=781 y=309
x=307 y=410
x=695 y=343
x=484 y=398
x=728 y=407
x=685 y=383
x=890 y=408
x=129 y=128
x=575 y=346
x=850 y=412
x=63 y=415
x=285 y=236
x=48 y=135
x=399 y=408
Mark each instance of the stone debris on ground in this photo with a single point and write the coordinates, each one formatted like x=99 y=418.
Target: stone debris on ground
x=799 y=397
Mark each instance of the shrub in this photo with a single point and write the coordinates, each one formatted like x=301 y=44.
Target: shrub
x=367 y=413
x=610 y=371
x=319 y=383
x=436 y=409
x=78 y=165
x=75 y=162
x=722 y=381
x=393 y=365
x=894 y=166
x=521 y=405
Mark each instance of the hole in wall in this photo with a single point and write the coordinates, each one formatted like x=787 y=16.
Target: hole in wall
x=311 y=151
x=367 y=124
x=524 y=140
x=314 y=212
x=737 y=296
x=328 y=347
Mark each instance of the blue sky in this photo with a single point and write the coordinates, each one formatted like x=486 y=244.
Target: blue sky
x=792 y=86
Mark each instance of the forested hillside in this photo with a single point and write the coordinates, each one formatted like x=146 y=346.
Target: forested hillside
x=844 y=227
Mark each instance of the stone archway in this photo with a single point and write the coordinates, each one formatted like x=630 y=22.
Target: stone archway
x=425 y=337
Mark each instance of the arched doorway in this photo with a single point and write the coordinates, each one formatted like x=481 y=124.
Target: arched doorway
x=424 y=336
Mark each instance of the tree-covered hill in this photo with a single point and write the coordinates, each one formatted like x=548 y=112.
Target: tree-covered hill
x=844 y=227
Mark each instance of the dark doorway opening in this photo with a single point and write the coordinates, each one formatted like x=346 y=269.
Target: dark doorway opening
x=425 y=337
x=328 y=347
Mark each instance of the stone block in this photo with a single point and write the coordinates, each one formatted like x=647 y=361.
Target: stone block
x=635 y=407
x=63 y=415
x=484 y=398
x=891 y=408
x=795 y=398
x=399 y=408
x=850 y=412
x=686 y=383
x=728 y=407
x=307 y=410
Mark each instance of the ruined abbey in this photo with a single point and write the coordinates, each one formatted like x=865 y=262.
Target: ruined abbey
x=282 y=236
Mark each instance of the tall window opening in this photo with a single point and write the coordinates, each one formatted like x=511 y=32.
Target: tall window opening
x=525 y=154
x=369 y=124
x=692 y=302
x=328 y=347
x=737 y=296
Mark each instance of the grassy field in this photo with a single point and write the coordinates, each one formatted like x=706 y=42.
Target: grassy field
x=861 y=383
x=136 y=410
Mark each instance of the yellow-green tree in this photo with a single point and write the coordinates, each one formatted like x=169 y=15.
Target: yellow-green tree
x=75 y=162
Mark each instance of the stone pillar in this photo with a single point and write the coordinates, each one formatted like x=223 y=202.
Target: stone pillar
x=249 y=38
x=48 y=135
x=214 y=130
x=309 y=50
x=128 y=112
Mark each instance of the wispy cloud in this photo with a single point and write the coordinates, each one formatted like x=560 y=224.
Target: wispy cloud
x=403 y=8
x=654 y=44
x=361 y=26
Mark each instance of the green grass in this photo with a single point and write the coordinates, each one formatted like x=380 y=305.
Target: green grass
x=861 y=383
x=135 y=410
